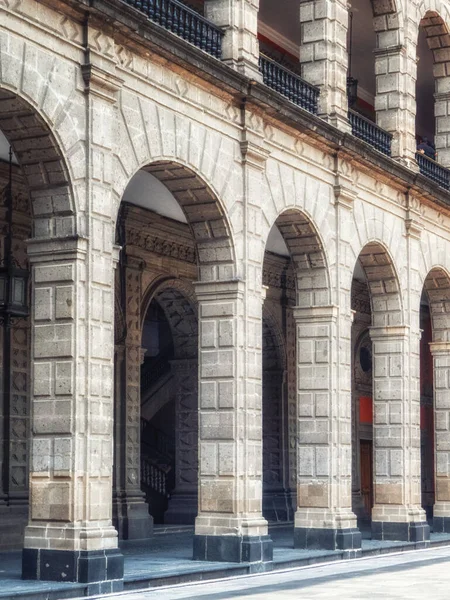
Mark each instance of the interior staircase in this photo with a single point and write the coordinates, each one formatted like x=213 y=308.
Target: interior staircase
x=157 y=448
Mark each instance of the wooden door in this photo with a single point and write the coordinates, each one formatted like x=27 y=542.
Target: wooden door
x=367 y=476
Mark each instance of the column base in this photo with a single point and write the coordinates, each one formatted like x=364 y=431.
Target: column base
x=401 y=532
x=13 y=520
x=314 y=538
x=183 y=508
x=230 y=548
x=103 y=568
x=132 y=519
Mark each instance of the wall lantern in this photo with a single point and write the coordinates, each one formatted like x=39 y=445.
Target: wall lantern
x=13 y=279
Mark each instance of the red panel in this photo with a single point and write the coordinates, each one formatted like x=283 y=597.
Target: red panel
x=365 y=409
x=426 y=360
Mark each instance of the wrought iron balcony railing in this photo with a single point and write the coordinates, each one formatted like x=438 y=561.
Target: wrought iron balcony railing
x=183 y=22
x=369 y=132
x=433 y=170
x=287 y=83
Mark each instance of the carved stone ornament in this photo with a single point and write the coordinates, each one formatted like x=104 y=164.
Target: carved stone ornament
x=363 y=360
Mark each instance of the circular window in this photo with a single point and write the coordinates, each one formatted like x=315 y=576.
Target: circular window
x=365 y=359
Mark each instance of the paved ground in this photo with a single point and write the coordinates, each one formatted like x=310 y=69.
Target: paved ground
x=422 y=574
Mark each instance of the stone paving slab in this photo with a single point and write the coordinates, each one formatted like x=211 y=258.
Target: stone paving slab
x=397 y=576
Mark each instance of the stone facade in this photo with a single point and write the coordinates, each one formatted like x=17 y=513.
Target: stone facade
x=86 y=103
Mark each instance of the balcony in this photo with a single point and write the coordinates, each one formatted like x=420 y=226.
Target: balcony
x=370 y=133
x=183 y=22
x=434 y=171
x=288 y=84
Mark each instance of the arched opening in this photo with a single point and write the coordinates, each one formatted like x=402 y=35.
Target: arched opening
x=35 y=202
x=374 y=72
x=432 y=89
x=426 y=410
x=277 y=498
x=296 y=275
x=361 y=44
x=173 y=232
x=434 y=386
x=396 y=513
x=279 y=34
x=169 y=407
x=362 y=401
x=278 y=382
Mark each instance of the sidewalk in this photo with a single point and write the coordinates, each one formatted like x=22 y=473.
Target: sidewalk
x=167 y=561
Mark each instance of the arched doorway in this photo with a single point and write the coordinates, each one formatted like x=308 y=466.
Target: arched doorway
x=169 y=406
x=173 y=232
x=319 y=522
x=427 y=443
x=15 y=361
x=362 y=400
x=396 y=512
x=35 y=179
x=277 y=498
x=434 y=364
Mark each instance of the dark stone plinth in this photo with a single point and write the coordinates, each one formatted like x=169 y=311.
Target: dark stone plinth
x=102 y=568
x=132 y=519
x=327 y=539
x=441 y=525
x=230 y=548
x=400 y=532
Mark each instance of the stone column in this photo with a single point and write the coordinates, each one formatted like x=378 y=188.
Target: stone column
x=442 y=115
x=184 y=498
x=323 y=56
x=239 y=19
x=397 y=512
x=70 y=535
x=131 y=510
x=395 y=99
x=324 y=518
x=441 y=366
x=230 y=526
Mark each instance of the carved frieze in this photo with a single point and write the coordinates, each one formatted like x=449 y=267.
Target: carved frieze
x=160 y=245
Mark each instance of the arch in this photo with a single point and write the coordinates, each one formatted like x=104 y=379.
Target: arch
x=382 y=8
x=437 y=288
x=42 y=163
x=308 y=256
x=178 y=302
x=205 y=216
x=386 y=22
x=438 y=38
x=383 y=283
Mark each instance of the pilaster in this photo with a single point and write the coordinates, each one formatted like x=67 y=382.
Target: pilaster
x=324 y=518
x=397 y=512
x=229 y=525
x=442 y=116
x=239 y=19
x=395 y=99
x=70 y=534
x=323 y=56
